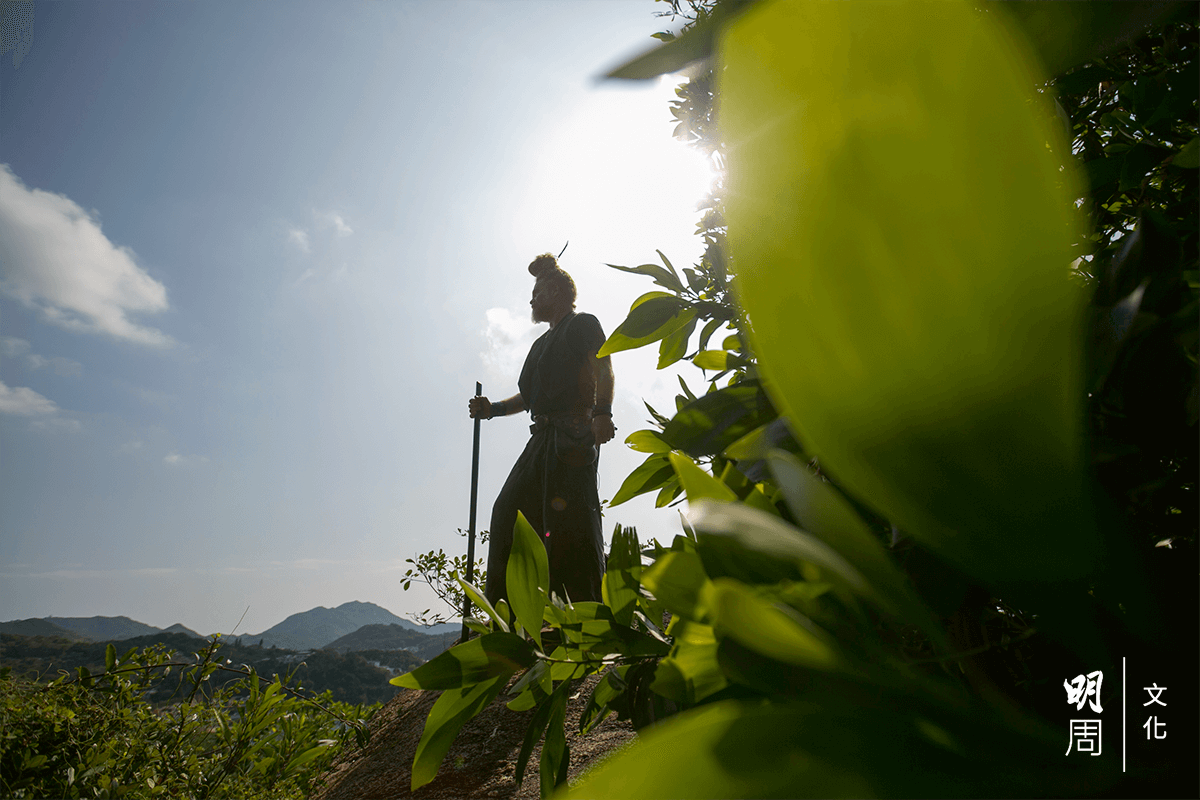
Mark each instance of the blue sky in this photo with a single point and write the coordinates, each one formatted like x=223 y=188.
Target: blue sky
x=253 y=258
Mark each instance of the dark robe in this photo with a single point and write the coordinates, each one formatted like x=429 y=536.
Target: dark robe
x=554 y=482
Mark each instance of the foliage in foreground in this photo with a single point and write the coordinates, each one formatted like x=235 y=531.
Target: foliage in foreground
x=99 y=736
x=947 y=460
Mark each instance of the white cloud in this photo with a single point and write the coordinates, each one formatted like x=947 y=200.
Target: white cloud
x=335 y=219
x=57 y=425
x=24 y=401
x=56 y=259
x=174 y=459
x=299 y=238
x=308 y=273
x=13 y=347
x=66 y=367
x=508 y=340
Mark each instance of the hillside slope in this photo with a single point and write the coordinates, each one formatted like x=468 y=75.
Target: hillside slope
x=481 y=762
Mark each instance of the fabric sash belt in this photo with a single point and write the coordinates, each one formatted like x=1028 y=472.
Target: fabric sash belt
x=574 y=422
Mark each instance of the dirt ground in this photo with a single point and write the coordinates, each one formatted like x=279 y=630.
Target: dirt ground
x=481 y=762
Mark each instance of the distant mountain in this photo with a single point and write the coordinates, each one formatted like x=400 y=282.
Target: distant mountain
x=318 y=627
x=40 y=627
x=104 y=629
x=180 y=628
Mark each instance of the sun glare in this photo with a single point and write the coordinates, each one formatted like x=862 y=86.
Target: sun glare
x=613 y=158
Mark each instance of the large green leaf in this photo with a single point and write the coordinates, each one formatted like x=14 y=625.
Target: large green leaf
x=528 y=578
x=831 y=747
x=678 y=581
x=774 y=630
x=902 y=232
x=1066 y=34
x=451 y=711
x=764 y=533
x=819 y=509
x=470 y=662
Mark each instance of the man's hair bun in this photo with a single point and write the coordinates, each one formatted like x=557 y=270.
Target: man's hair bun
x=545 y=268
x=543 y=265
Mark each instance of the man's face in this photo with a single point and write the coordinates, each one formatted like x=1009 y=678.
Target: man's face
x=543 y=302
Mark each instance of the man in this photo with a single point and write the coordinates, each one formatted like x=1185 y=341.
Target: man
x=568 y=392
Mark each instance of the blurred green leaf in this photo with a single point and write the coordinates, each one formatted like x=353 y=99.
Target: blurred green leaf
x=678 y=581
x=908 y=753
x=819 y=509
x=528 y=578
x=671 y=56
x=1138 y=161
x=774 y=630
x=1066 y=34
x=1103 y=171
x=727 y=528
x=871 y=206
x=1188 y=156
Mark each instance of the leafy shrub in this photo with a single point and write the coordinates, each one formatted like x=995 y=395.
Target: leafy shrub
x=99 y=736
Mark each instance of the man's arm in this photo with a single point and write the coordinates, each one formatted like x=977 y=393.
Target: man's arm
x=602 y=423
x=482 y=408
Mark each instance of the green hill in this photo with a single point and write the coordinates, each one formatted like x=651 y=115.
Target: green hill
x=39 y=627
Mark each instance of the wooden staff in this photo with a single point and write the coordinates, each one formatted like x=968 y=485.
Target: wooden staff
x=471 y=526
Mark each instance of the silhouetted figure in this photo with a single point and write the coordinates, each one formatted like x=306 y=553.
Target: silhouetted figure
x=568 y=392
